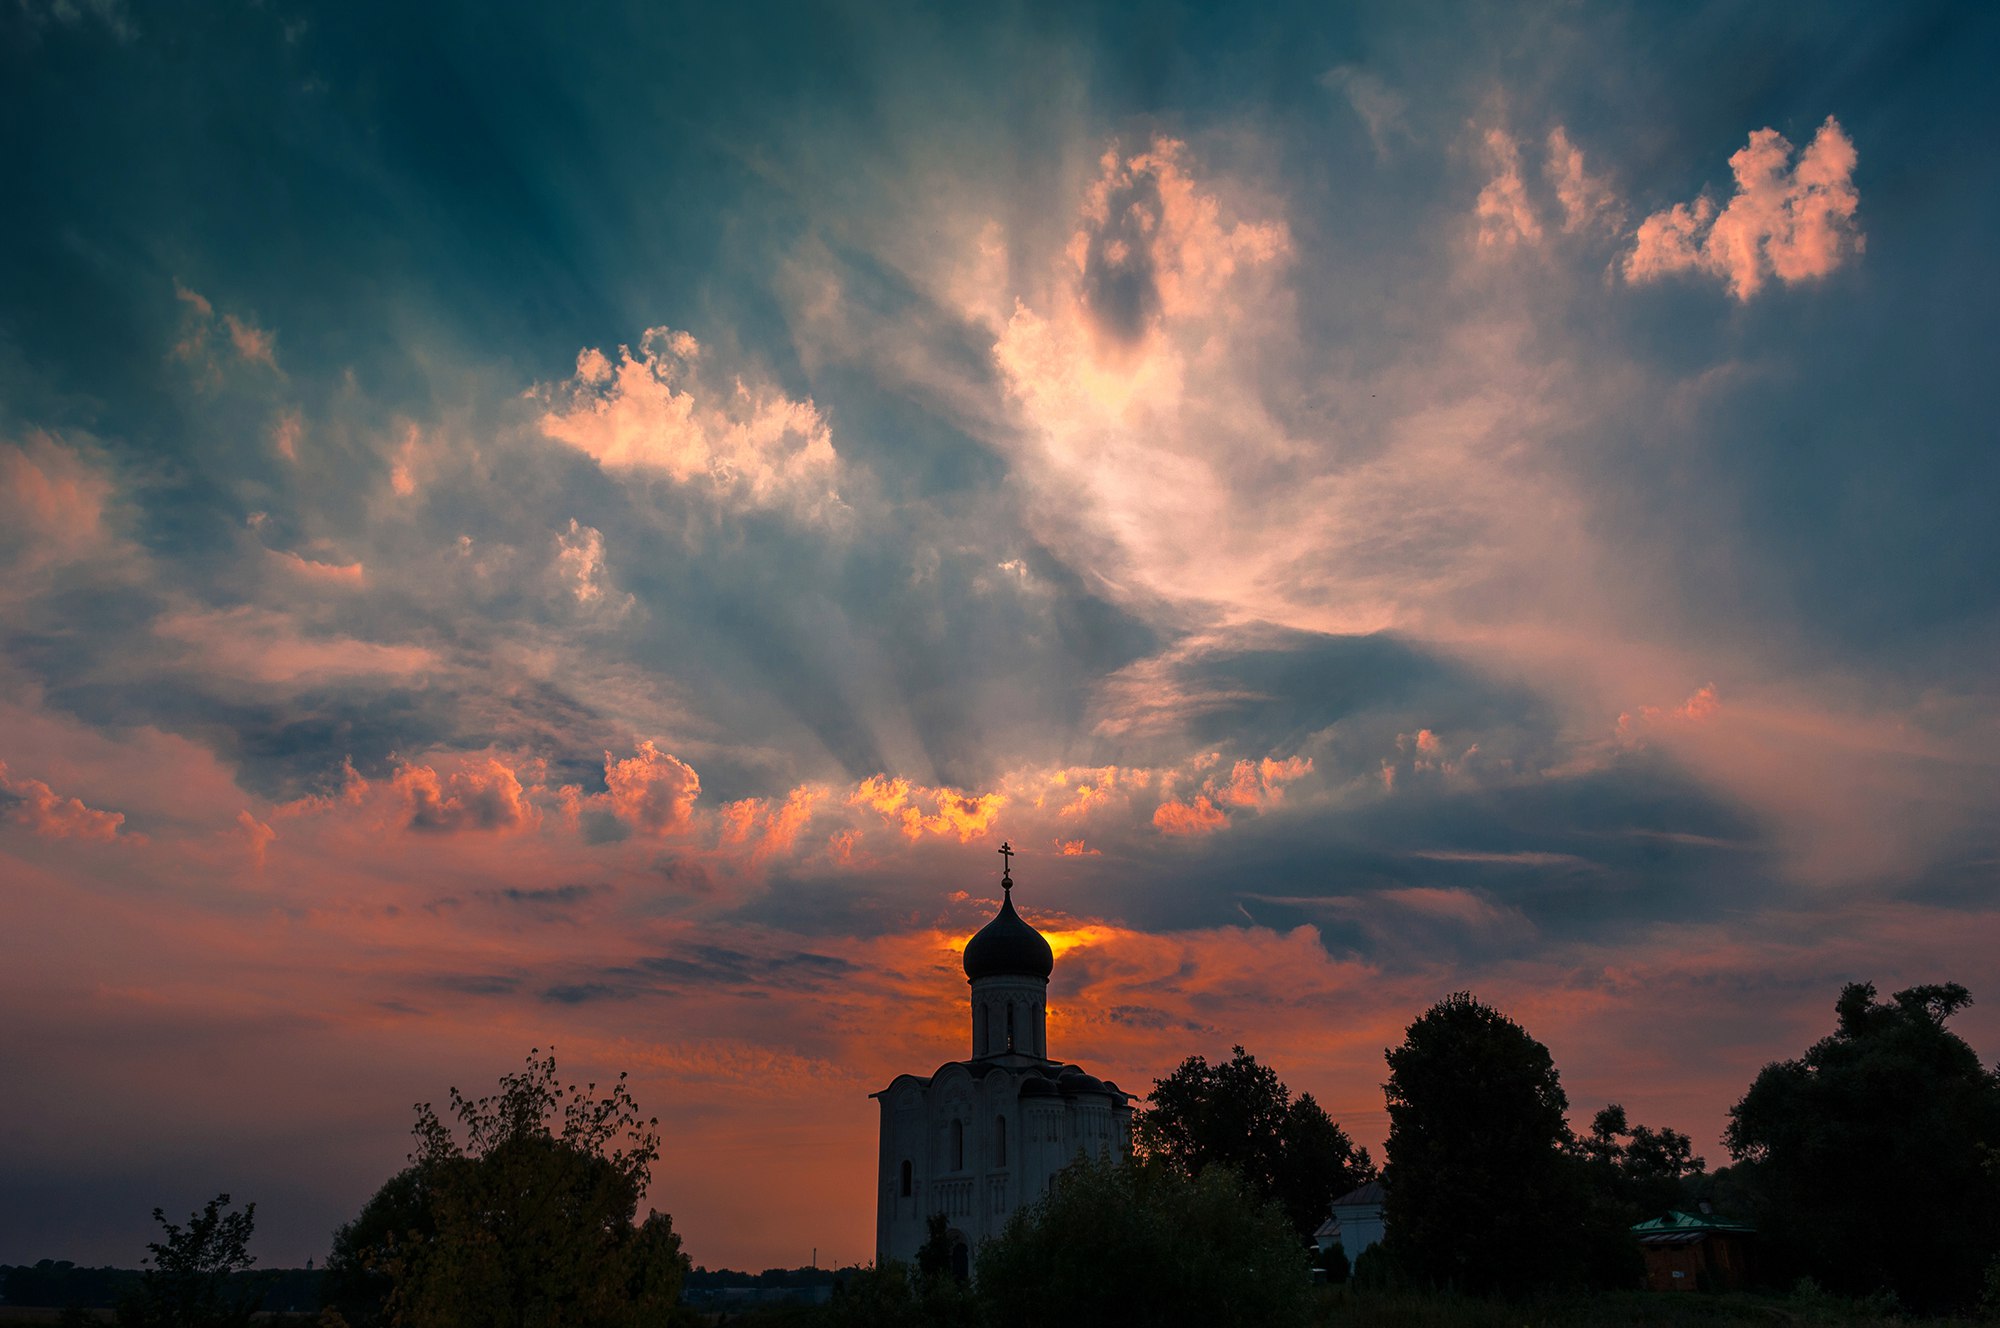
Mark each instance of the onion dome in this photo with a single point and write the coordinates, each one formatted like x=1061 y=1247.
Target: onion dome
x=1008 y=946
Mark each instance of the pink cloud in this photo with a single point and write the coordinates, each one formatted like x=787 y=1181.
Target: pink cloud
x=1794 y=222
x=485 y=795
x=1505 y=216
x=652 y=791
x=250 y=341
x=319 y=573
x=648 y=412
x=32 y=803
x=1587 y=200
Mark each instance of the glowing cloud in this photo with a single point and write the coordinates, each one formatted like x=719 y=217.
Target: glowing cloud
x=486 y=795
x=898 y=801
x=32 y=803
x=649 y=413
x=1505 y=217
x=1791 y=222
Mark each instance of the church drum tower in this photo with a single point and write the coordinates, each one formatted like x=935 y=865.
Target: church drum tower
x=978 y=1138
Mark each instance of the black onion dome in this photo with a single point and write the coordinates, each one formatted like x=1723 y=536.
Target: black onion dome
x=1008 y=947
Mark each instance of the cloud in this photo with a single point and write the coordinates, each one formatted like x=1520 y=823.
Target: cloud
x=1588 y=202
x=32 y=803
x=1381 y=108
x=256 y=835
x=52 y=502
x=1794 y=222
x=652 y=791
x=1198 y=817
x=348 y=575
x=953 y=812
x=1505 y=216
x=201 y=330
x=484 y=795
x=580 y=557
x=261 y=645
x=649 y=413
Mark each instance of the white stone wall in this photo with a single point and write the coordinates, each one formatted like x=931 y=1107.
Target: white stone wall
x=974 y=1185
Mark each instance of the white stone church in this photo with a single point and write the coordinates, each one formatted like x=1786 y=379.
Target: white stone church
x=978 y=1138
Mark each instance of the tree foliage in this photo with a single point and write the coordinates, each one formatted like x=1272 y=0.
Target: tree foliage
x=186 y=1281
x=1142 y=1244
x=528 y=1222
x=1481 y=1195
x=1240 y=1115
x=1871 y=1160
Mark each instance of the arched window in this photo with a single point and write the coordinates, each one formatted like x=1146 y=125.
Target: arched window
x=906 y=1178
x=958 y=1145
x=999 y=1141
x=1010 y=1025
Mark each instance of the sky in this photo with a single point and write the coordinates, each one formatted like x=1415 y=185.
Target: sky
x=587 y=526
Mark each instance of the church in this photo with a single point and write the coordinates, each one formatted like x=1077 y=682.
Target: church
x=978 y=1138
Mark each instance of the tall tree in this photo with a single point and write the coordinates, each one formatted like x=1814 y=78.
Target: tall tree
x=1873 y=1160
x=1481 y=1195
x=1239 y=1114
x=528 y=1223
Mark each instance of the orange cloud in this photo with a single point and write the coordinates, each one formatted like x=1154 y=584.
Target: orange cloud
x=486 y=795
x=1587 y=201
x=1075 y=848
x=966 y=815
x=1794 y=222
x=1199 y=817
x=32 y=803
x=653 y=791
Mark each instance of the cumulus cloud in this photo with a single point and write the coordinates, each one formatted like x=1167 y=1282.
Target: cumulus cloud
x=650 y=413
x=1792 y=221
x=651 y=791
x=1200 y=816
x=483 y=795
x=32 y=803
x=952 y=811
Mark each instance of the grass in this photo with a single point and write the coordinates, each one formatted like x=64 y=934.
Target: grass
x=1341 y=1308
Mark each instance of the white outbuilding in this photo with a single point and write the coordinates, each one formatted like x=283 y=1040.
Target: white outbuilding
x=978 y=1138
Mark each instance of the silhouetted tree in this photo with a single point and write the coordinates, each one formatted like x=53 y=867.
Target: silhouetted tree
x=528 y=1223
x=186 y=1282
x=1629 y=1174
x=395 y=1222
x=1481 y=1196
x=1240 y=1115
x=1146 y=1244
x=1870 y=1160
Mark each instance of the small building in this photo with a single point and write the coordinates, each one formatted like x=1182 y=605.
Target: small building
x=1695 y=1252
x=1355 y=1223
x=976 y=1139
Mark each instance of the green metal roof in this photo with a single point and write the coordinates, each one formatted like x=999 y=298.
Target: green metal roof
x=1676 y=1222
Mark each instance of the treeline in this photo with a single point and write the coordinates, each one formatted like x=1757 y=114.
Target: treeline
x=1869 y=1166
x=59 y=1284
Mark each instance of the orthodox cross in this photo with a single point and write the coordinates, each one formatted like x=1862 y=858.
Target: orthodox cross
x=1006 y=851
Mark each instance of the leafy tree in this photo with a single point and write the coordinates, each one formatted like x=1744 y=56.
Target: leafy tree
x=186 y=1282
x=887 y=1296
x=1142 y=1244
x=1481 y=1197
x=528 y=1223
x=1240 y=1115
x=1871 y=1159
x=1628 y=1174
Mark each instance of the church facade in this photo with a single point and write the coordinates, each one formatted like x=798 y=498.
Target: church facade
x=978 y=1138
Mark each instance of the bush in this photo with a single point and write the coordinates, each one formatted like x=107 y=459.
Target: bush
x=1146 y=1245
